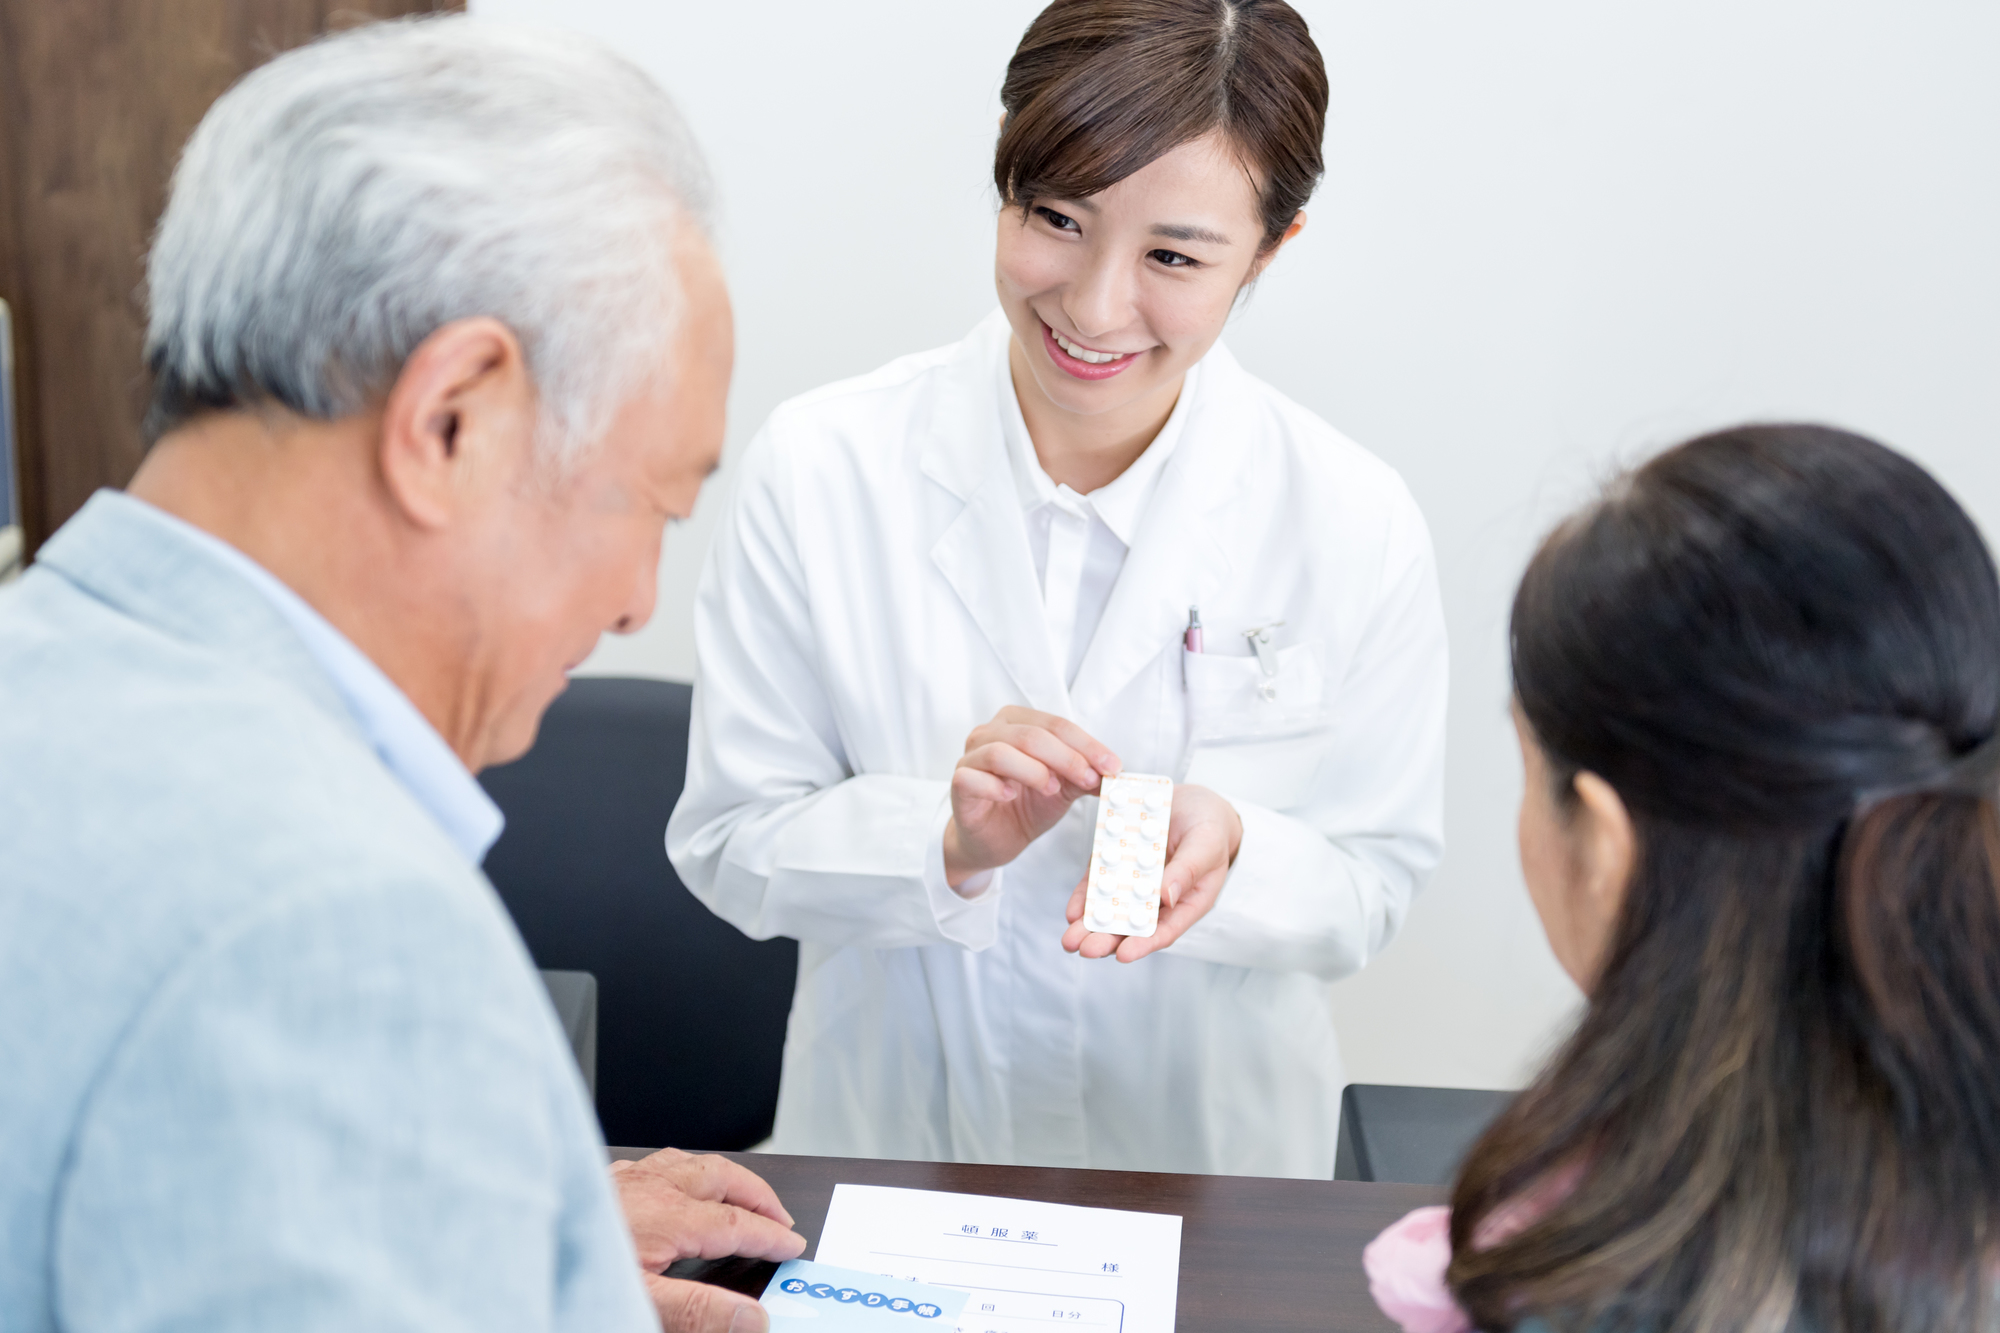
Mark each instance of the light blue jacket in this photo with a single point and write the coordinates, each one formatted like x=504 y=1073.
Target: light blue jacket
x=272 y=1056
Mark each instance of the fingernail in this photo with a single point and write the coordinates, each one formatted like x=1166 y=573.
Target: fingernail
x=749 y=1319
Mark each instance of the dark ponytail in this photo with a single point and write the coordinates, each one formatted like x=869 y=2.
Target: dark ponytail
x=1781 y=646
x=1917 y=937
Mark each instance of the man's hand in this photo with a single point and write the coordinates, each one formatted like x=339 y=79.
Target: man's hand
x=684 y=1207
x=1203 y=836
x=1018 y=774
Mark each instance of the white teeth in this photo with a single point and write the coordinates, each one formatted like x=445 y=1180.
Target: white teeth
x=1084 y=353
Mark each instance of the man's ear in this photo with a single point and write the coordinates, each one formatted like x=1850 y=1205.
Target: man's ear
x=1263 y=261
x=461 y=400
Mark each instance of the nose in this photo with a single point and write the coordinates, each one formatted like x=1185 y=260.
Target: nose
x=1099 y=300
x=638 y=608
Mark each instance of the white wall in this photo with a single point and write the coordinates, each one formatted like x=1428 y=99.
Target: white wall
x=1555 y=235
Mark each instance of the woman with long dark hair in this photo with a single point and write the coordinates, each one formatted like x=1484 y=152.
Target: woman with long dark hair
x=1757 y=687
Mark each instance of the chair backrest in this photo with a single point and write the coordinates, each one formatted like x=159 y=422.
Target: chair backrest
x=691 y=1013
x=574 y=994
x=1415 y=1136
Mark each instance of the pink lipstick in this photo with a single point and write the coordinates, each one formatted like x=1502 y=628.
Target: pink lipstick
x=1083 y=370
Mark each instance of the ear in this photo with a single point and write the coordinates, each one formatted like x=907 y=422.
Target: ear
x=1263 y=261
x=462 y=400
x=1607 y=850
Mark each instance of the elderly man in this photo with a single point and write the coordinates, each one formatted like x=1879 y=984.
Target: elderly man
x=440 y=348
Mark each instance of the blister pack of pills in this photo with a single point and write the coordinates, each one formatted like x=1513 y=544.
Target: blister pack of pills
x=1129 y=854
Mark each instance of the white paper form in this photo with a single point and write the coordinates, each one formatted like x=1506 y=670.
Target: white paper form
x=1030 y=1267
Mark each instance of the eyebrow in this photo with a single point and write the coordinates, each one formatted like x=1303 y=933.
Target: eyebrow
x=1171 y=231
x=1185 y=233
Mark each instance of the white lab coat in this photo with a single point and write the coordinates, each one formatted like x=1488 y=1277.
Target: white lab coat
x=871 y=598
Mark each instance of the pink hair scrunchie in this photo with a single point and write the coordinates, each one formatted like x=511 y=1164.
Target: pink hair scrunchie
x=1405 y=1267
x=1406 y=1263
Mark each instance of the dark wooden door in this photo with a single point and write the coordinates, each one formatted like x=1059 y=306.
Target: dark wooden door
x=96 y=98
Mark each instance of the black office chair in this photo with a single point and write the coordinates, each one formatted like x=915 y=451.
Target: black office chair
x=691 y=1014
x=1417 y=1136
x=574 y=995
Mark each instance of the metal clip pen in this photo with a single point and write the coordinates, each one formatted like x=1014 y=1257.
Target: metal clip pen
x=1267 y=658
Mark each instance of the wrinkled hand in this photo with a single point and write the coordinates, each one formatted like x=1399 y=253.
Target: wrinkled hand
x=1203 y=835
x=1018 y=774
x=680 y=1206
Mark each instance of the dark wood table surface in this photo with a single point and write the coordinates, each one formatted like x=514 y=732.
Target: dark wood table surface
x=1256 y=1253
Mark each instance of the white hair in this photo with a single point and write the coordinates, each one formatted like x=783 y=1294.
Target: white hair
x=344 y=201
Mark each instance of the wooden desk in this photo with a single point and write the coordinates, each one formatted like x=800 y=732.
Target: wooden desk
x=1256 y=1253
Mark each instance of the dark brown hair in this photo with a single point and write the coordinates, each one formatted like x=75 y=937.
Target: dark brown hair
x=1100 y=88
x=1781 y=646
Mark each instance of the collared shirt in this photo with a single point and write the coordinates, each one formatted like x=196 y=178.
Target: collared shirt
x=405 y=740
x=1080 y=541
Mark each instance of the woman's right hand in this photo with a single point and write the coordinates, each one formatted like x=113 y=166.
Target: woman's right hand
x=1018 y=774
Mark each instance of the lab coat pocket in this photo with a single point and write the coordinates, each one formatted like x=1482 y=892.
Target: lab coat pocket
x=1252 y=735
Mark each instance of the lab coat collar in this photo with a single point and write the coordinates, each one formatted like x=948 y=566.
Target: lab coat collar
x=984 y=552
x=1176 y=559
x=1120 y=503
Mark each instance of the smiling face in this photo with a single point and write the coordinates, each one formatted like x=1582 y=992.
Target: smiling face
x=580 y=558
x=1113 y=297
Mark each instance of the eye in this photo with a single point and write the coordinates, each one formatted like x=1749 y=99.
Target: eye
x=1060 y=221
x=1173 y=259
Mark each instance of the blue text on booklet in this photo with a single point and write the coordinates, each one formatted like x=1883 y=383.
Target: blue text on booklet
x=804 y=1295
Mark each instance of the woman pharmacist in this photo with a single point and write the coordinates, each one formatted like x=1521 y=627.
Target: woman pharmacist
x=953 y=594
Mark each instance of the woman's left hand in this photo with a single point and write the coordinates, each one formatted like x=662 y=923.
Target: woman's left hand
x=1203 y=835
